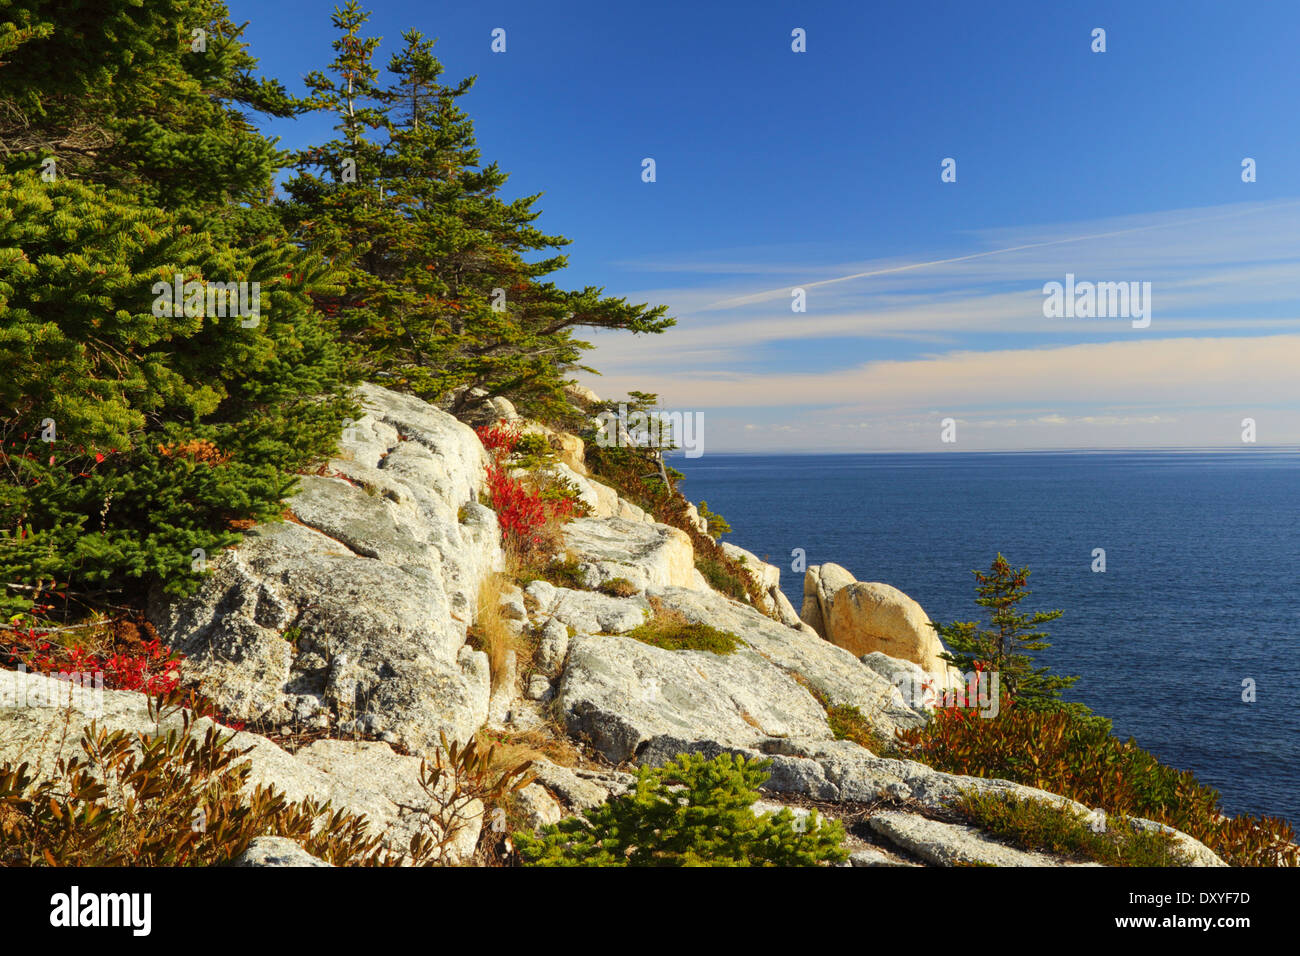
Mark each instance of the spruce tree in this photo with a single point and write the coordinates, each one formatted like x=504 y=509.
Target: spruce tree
x=1002 y=647
x=150 y=97
x=690 y=812
x=137 y=439
x=438 y=290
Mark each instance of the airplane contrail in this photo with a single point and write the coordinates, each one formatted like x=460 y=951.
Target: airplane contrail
x=785 y=290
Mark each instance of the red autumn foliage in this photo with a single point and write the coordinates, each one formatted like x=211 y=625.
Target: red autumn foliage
x=1062 y=753
x=500 y=439
x=135 y=662
x=523 y=513
x=153 y=669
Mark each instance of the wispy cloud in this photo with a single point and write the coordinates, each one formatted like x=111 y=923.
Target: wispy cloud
x=967 y=330
x=1112 y=234
x=1185 y=371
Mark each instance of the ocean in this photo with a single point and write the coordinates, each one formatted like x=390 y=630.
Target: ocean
x=1202 y=552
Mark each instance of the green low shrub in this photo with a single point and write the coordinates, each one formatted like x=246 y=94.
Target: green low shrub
x=847 y=723
x=532 y=451
x=563 y=573
x=1050 y=828
x=725 y=576
x=692 y=812
x=718 y=525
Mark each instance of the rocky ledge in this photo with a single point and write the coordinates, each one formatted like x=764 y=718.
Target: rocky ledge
x=349 y=622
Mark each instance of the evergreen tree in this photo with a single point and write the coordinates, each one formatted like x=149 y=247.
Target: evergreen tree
x=131 y=439
x=1002 y=647
x=137 y=433
x=437 y=287
x=151 y=97
x=718 y=525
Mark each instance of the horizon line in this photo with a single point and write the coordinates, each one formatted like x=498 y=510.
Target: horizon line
x=1125 y=449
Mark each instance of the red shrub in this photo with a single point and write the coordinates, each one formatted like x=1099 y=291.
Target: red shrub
x=150 y=666
x=523 y=513
x=500 y=439
x=155 y=669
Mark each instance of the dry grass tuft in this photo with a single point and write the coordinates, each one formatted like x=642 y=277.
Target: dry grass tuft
x=489 y=632
x=513 y=749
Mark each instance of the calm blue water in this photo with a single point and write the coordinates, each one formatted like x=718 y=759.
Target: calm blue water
x=1199 y=592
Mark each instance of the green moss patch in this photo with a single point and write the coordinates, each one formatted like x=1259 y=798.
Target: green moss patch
x=680 y=635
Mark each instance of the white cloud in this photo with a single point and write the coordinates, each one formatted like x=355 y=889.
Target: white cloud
x=1196 y=371
x=962 y=333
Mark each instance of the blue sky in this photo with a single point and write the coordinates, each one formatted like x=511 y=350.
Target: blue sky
x=821 y=170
